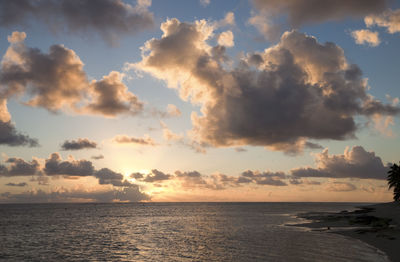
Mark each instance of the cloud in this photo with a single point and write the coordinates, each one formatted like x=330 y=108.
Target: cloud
x=111 y=97
x=81 y=143
x=300 y=12
x=108 y=18
x=169 y=135
x=8 y=133
x=56 y=166
x=228 y=20
x=173 y=110
x=22 y=184
x=296 y=90
x=109 y=177
x=389 y=19
x=205 y=2
x=226 y=39
x=264 y=178
x=11 y=137
x=263 y=23
x=56 y=81
x=124 y=139
x=98 y=157
x=365 y=36
x=191 y=179
x=217 y=181
x=340 y=187
x=19 y=167
x=154 y=176
x=354 y=163
x=131 y=194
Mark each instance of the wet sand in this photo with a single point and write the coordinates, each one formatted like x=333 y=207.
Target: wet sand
x=377 y=225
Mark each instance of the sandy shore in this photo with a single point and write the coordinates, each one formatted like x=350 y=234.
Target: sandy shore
x=378 y=225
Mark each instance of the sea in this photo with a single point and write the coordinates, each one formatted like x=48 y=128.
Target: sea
x=173 y=232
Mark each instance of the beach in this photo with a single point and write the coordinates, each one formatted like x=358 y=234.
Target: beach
x=376 y=225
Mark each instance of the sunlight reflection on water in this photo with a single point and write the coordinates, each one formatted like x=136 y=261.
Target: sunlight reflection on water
x=171 y=232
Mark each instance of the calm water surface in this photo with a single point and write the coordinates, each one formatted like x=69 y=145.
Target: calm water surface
x=172 y=232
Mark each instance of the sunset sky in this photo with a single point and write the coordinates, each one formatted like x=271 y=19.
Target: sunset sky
x=187 y=100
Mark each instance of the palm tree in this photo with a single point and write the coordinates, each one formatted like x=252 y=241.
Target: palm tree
x=394 y=181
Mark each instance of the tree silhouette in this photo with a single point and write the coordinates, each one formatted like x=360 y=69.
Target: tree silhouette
x=394 y=181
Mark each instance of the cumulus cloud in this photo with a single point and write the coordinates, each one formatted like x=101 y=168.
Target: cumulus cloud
x=56 y=166
x=154 y=176
x=354 y=163
x=263 y=178
x=301 y=12
x=81 y=143
x=22 y=184
x=340 y=187
x=56 y=81
x=365 y=36
x=108 y=18
x=19 y=167
x=226 y=39
x=109 y=177
x=131 y=194
x=296 y=90
x=216 y=181
x=111 y=97
x=11 y=137
x=124 y=139
x=389 y=19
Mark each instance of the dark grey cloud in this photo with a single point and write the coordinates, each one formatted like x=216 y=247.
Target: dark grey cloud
x=137 y=175
x=295 y=91
x=108 y=18
x=56 y=81
x=131 y=194
x=109 y=177
x=98 y=157
x=154 y=176
x=354 y=163
x=22 y=184
x=56 y=166
x=19 y=167
x=301 y=12
x=81 y=168
x=81 y=143
x=265 y=178
x=11 y=137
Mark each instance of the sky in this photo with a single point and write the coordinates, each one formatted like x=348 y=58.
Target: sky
x=188 y=100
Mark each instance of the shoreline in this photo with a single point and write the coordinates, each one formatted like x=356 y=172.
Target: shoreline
x=377 y=225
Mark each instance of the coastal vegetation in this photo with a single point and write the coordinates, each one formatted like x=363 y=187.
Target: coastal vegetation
x=394 y=181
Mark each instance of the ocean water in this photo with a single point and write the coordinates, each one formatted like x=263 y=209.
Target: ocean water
x=172 y=232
